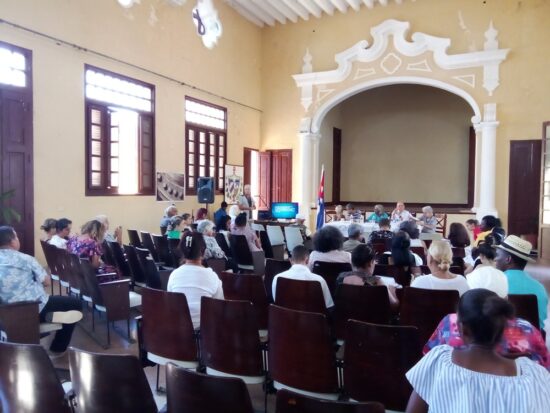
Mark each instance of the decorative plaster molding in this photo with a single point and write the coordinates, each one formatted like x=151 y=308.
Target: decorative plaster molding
x=470 y=80
x=489 y=59
x=421 y=66
x=361 y=73
x=391 y=63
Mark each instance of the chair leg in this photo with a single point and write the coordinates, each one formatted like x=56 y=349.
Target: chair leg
x=108 y=333
x=158 y=374
x=128 y=326
x=93 y=317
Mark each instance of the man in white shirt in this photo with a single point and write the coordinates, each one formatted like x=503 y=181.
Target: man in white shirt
x=400 y=214
x=63 y=228
x=300 y=271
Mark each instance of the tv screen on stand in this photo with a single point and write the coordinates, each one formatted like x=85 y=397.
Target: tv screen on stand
x=284 y=210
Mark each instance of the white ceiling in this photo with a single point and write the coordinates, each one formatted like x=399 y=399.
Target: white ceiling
x=262 y=12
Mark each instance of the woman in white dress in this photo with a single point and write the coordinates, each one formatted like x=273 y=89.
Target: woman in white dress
x=476 y=379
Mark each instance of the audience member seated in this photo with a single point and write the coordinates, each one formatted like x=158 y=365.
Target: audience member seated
x=220 y=213
x=339 y=213
x=352 y=214
x=440 y=257
x=173 y=231
x=213 y=250
x=202 y=214
x=411 y=228
x=116 y=236
x=246 y=202
x=241 y=227
x=355 y=237
x=490 y=226
x=519 y=337
x=459 y=238
x=63 y=227
x=22 y=278
x=187 y=221
x=512 y=257
x=400 y=214
x=363 y=263
x=49 y=228
x=327 y=246
x=300 y=271
x=476 y=378
x=168 y=213
x=427 y=220
x=384 y=233
x=378 y=214
x=192 y=279
x=401 y=254
x=300 y=223
x=473 y=226
x=225 y=227
x=486 y=275
x=88 y=243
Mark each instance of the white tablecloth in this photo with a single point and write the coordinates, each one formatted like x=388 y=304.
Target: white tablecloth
x=368 y=227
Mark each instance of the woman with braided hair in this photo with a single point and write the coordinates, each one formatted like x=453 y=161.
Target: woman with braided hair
x=440 y=257
x=191 y=278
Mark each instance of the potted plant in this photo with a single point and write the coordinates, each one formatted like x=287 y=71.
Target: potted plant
x=8 y=215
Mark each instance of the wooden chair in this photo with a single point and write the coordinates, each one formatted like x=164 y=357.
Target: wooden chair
x=133 y=237
x=265 y=243
x=290 y=402
x=150 y=268
x=421 y=252
x=192 y=392
x=230 y=343
x=163 y=249
x=21 y=322
x=401 y=275
x=456 y=269
x=249 y=288
x=526 y=306
x=175 y=252
x=137 y=272
x=300 y=295
x=28 y=381
x=246 y=260
x=147 y=242
x=57 y=255
x=376 y=360
x=425 y=308
x=46 y=248
x=363 y=303
x=301 y=353
x=217 y=264
x=458 y=252
x=107 y=383
x=441 y=225
x=107 y=256
x=222 y=242
x=272 y=268
x=120 y=260
x=330 y=271
x=168 y=334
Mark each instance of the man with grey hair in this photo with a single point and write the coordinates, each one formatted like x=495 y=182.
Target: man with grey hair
x=355 y=232
x=427 y=220
x=168 y=214
x=246 y=202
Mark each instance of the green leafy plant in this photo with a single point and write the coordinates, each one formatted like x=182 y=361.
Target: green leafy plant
x=8 y=215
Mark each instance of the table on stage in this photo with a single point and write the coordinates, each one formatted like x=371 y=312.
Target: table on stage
x=368 y=227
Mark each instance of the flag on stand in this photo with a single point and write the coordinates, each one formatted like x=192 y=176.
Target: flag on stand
x=321 y=201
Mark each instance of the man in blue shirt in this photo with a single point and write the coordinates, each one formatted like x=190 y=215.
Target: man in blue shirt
x=219 y=214
x=512 y=257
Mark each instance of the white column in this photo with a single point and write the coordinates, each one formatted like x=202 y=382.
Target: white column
x=477 y=179
x=316 y=170
x=488 y=162
x=306 y=164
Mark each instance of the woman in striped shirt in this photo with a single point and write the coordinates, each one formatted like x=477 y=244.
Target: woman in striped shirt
x=476 y=379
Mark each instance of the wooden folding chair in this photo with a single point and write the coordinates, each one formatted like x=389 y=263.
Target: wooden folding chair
x=133 y=237
x=272 y=268
x=330 y=271
x=526 y=306
x=300 y=295
x=290 y=402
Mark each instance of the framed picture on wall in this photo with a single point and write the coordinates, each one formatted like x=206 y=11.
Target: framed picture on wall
x=234 y=183
x=170 y=186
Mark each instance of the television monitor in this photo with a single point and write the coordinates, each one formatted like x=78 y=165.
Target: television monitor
x=284 y=210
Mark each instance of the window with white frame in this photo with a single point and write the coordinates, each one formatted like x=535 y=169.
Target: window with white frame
x=13 y=67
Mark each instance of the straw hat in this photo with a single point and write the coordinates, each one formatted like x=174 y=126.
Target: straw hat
x=514 y=245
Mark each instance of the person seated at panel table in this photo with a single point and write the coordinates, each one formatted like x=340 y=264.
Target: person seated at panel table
x=352 y=214
x=400 y=214
x=476 y=378
x=427 y=220
x=355 y=237
x=378 y=214
x=339 y=213
x=363 y=263
x=327 y=246
x=384 y=233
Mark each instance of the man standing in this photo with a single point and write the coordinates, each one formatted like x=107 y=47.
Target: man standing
x=220 y=214
x=63 y=227
x=512 y=257
x=23 y=279
x=246 y=202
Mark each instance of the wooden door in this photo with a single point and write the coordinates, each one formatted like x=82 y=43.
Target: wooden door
x=281 y=175
x=524 y=188
x=264 y=200
x=16 y=160
x=247 y=163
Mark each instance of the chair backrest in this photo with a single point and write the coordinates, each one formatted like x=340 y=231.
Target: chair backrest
x=330 y=271
x=167 y=326
x=192 y=392
x=421 y=252
x=275 y=234
x=266 y=244
x=293 y=237
x=91 y=282
x=249 y=288
x=456 y=269
x=230 y=341
x=175 y=252
x=300 y=295
x=28 y=381
x=107 y=383
x=120 y=261
x=240 y=250
x=290 y=402
x=152 y=277
x=526 y=306
x=217 y=264
x=425 y=308
x=58 y=256
x=441 y=225
x=222 y=242
x=21 y=322
x=301 y=352
x=48 y=255
x=458 y=252
x=136 y=270
x=376 y=360
x=107 y=256
x=401 y=275
x=272 y=268
x=257 y=227
x=133 y=237
x=363 y=303
x=72 y=263
x=161 y=245
x=147 y=242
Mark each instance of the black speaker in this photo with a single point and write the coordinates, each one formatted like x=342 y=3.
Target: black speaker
x=205 y=190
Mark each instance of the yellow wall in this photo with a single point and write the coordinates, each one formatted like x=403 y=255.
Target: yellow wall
x=522 y=96
x=403 y=142
x=170 y=47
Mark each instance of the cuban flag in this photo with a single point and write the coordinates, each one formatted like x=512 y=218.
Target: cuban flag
x=321 y=201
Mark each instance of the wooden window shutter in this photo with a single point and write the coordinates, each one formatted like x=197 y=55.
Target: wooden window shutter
x=147 y=154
